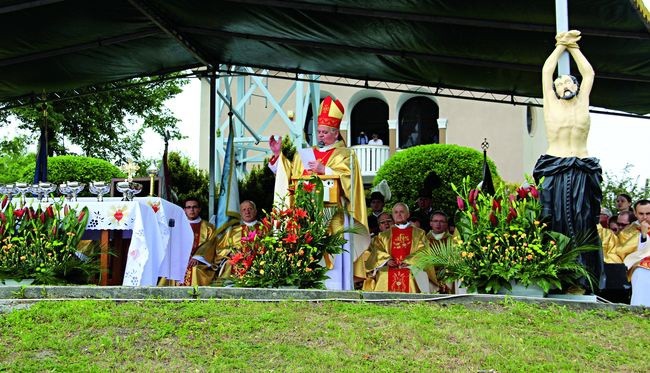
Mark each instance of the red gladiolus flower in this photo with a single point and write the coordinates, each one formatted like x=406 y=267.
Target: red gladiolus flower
x=473 y=195
x=511 y=214
x=291 y=238
x=50 y=211
x=308 y=187
x=53 y=230
x=534 y=192
x=461 y=203
x=31 y=213
x=5 y=200
x=522 y=192
x=301 y=213
x=3 y=218
x=308 y=237
x=42 y=217
x=474 y=218
x=496 y=204
x=19 y=213
x=266 y=223
x=493 y=220
x=81 y=216
x=291 y=190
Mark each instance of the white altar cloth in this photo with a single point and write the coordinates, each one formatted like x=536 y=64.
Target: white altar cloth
x=162 y=237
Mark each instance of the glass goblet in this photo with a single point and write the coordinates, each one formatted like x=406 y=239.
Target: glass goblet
x=75 y=188
x=23 y=189
x=65 y=190
x=99 y=188
x=46 y=189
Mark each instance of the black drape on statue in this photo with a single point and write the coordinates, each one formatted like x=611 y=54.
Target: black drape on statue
x=571 y=198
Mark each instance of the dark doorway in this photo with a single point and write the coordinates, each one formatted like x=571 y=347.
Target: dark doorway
x=369 y=115
x=418 y=122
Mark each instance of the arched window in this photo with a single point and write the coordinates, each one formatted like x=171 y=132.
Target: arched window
x=369 y=115
x=418 y=122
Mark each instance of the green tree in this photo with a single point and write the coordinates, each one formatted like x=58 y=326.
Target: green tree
x=108 y=124
x=615 y=183
x=406 y=171
x=14 y=158
x=187 y=181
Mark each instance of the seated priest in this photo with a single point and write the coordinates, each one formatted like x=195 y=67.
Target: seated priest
x=638 y=262
x=331 y=158
x=388 y=264
x=617 y=245
x=202 y=230
x=211 y=258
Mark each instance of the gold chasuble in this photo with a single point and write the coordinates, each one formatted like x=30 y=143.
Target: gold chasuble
x=340 y=162
x=616 y=246
x=397 y=244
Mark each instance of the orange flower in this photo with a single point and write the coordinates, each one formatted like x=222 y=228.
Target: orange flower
x=291 y=238
x=301 y=213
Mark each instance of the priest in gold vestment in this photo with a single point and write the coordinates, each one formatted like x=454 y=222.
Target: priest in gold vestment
x=390 y=255
x=332 y=157
x=212 y=256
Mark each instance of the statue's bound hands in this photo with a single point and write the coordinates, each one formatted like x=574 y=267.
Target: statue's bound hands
x=275 y=145
x=569 y=39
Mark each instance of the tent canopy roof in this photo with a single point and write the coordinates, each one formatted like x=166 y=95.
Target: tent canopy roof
x=485 y=46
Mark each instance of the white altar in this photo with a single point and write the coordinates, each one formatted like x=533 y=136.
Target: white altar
x=161 y=240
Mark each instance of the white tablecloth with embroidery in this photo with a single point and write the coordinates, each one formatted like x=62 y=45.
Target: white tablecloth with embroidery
x=162 y=237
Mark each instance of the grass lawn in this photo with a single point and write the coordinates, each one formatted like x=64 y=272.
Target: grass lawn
x=89 y=335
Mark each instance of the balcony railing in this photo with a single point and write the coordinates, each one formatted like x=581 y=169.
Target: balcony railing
x=371 y=158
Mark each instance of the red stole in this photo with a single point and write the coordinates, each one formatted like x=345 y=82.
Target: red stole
x=323 y=157
x=400 y=248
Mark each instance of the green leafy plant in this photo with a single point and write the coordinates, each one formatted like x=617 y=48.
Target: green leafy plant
x=616 y=183
x=42 y=243
x=288 y=246
x=503 y=239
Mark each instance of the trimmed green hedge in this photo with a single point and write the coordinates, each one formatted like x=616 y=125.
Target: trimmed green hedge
x=75 y=168
x=405 y=172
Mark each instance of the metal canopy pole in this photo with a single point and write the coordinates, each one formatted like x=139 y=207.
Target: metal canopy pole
x=562 y=24
x=213 y=154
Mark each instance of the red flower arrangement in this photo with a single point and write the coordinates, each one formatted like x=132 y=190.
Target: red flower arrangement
x=288 y=247
x=501 y=242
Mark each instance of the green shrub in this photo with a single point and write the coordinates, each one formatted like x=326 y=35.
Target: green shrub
x=75 y=168
x=406 y=170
